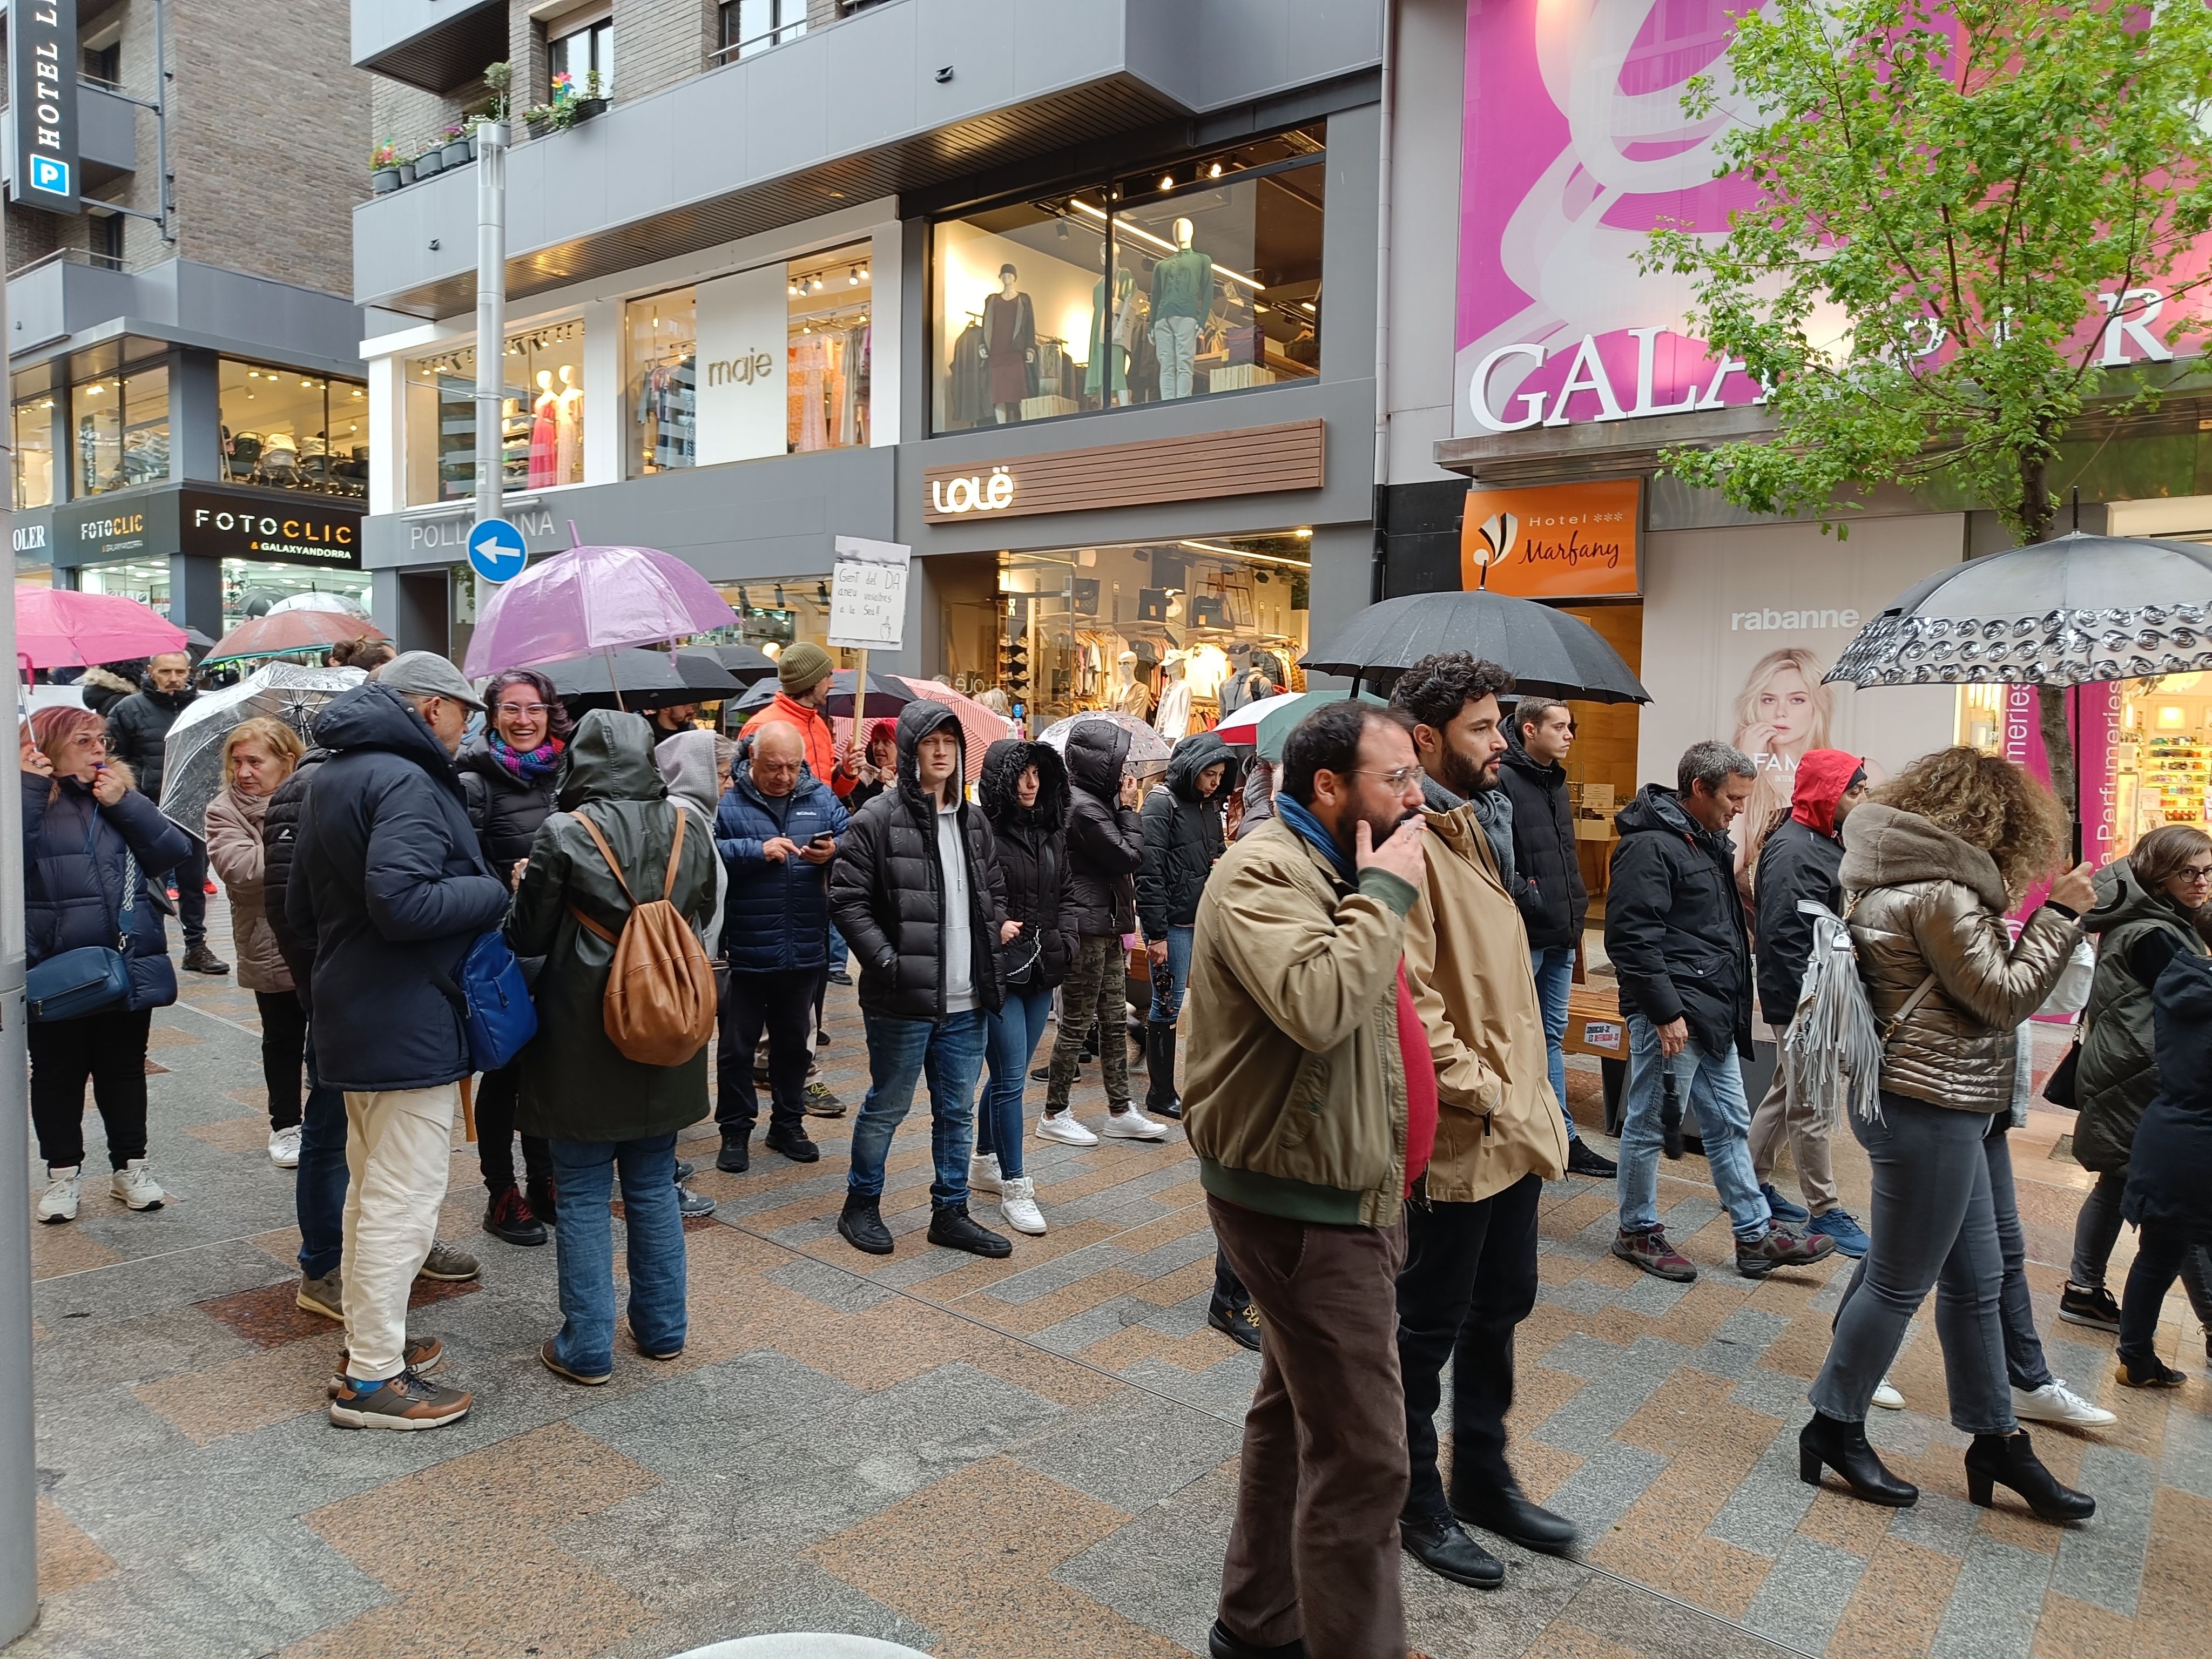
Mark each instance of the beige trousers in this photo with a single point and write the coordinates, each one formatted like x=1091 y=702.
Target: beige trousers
x=398 y=1154
x=1809 y=1145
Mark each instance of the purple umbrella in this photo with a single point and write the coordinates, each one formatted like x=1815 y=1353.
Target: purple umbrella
x=593 y=598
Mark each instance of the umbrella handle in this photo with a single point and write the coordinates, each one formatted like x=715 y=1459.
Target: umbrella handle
x=613 y=685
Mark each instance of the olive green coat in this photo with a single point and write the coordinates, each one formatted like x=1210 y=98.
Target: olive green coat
x=576 y=1086
x=2117 y=1073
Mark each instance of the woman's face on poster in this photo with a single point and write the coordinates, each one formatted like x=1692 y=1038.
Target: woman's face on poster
x=1786 y=706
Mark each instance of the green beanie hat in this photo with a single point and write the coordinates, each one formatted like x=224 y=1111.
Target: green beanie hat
x=802 y=666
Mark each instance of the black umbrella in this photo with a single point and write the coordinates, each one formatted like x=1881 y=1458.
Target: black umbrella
x=746 y=664
x=1548 y=652
x=887 y=695
x=644 y=680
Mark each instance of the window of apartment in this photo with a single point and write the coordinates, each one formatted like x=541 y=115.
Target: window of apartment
x=285 y=428
x=542 y=417
x=119 y=429
x=1200 y=276
x=770 y=361
x=751 y=26
x=104 y=239
x=104 y=63
x=34 y=451
x=579 y=51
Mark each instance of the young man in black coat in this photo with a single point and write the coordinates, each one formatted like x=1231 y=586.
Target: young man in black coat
x=137 y=731
x=1549 y=887
x=1675 y=931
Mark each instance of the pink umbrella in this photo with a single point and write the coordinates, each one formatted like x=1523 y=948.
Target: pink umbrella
x=593 y=598
x=979 y=727
x=56 y=628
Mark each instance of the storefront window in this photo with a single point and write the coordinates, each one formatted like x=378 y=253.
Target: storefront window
x=251 y=587
x=120 y=424
x=146 y=580
x=775 y=612
x=35 y=453
x=1122 y=626
x=286 y=429
x=770 y=361
x=1200 y=277
x=542 y=417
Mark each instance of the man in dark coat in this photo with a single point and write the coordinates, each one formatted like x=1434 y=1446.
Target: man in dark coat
x=138 y=728
x=387 y=879
x=1798 y=861
x=1105 y=847
x=918 y=894
x=1673 y=929
x=1548 y=887
x=776 y=829
x=1183 y=835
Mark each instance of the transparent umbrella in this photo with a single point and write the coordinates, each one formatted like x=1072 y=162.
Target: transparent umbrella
x=191 y=765
x=1147 y=747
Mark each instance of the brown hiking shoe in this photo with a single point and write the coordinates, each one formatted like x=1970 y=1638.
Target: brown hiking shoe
x=1651 y=1252
x=424 y=1355
x=1778 y=1247
x=404 y=1401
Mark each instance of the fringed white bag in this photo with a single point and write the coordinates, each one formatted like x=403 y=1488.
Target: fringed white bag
x=1831 y=1053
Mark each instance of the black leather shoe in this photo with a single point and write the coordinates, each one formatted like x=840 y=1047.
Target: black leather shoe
x=1444 y=1548
x=1843 y=1447
x=1221 y=1645
x=861 y=1224
x=2008 y=1460
x=736 y=1154
x=1510 y=1514
x=951 y=1225
x=793 y=1144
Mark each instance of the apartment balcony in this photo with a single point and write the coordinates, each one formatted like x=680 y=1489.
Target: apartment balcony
x=435 y=44
x=66 y=302
x=106 y=135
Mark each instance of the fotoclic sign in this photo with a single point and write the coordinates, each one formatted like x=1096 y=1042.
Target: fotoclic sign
x=1560 y=542
x=224 y=527
x=42 y=103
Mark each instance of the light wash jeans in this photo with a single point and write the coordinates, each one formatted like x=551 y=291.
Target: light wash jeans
x=1170 y=983
x=950 y=1052
x=1010 y=1045
x=1713 y=1084
x=1175 y=339
x=1554 y=966
x=584 y=1248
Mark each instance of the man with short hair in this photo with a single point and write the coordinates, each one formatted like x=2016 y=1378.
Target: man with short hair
x=1550 y=892
x=1675 y=932
x=1310 y=1101
x=388 y=882
x=776 y=829
x=672 y=718
x=137 y=731
x=1470 y=1272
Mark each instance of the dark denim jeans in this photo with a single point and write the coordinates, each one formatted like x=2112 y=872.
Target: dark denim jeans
x=586 y=1248
x=1554 y=967
x=318 y=1185
x=900 y=1052
x=1168 y=983
x=1012 y=1042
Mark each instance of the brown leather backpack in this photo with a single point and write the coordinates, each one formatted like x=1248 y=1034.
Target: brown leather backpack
x=659 y=1005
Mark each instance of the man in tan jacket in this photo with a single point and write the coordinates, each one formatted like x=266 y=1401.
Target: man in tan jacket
x=1470 y=1272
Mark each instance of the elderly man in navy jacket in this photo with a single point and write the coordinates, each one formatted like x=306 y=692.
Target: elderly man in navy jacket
x=777 y=829
x=387 y=881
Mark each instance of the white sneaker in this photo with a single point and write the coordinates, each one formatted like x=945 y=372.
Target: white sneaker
x=983 y=1173
x=135 y=1185
x=284 y=1147
x=1134 y=1125
x=1887 y=1397
x=2054 y=1402
x=59 y=1201
x=1018 y=1203
x=1063 y=1127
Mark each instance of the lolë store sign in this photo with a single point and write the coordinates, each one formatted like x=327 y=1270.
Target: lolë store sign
x=42 y=103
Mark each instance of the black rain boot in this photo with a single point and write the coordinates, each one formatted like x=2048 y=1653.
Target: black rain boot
x=1161 y=1101
x=1843 y=1447
x=2008 y=1460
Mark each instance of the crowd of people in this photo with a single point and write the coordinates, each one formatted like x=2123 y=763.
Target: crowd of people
x=1357 y=956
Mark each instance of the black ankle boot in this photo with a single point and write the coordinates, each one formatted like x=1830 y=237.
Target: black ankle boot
x=2008 y=1460
x=862 y=1225
x=1161 y=1101
x=1843 y=1447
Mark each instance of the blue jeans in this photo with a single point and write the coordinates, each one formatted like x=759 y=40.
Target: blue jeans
x=318 y=1185
x=900 y=1052
x=584 y=1248
x=1011 y=1042
x=1168 y=984
x=1554 y=967
x=1709 y=1082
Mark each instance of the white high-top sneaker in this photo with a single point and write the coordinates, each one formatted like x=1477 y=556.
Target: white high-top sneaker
x=135 y=1185
x=983 y=1172
x=59 y=1201
x=1018 y=1203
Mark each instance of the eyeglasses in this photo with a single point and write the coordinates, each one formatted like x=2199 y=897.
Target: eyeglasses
x=1398 y=780
x=2195 y=873
x=523 y=708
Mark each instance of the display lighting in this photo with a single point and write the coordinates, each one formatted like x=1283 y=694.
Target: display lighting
x=1125 y=229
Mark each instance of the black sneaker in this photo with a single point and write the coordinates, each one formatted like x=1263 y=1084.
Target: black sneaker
x=951 y=1225
x=1583 y=1159
x=861 y=1224
x=820 y=1102
x=793 y=1144
x=509 y=1216
x=1240 y=1325
x=201 y=960
x=2090 y=1305
x=737 y=1155
x=839 y=976
x=2152 y=1373
x=1444 y=1548
x=820 y=1039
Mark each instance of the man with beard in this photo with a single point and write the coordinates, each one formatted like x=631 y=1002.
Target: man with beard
x=1310 y=1101
x=1470 y=1272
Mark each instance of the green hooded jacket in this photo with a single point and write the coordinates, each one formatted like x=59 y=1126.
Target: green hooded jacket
x=2118 y=1072
x=576 y=1086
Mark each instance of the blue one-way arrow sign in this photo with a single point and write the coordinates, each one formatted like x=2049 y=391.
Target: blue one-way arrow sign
x=496 y=550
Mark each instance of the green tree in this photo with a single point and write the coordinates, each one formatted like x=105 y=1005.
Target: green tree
x=1952 y=206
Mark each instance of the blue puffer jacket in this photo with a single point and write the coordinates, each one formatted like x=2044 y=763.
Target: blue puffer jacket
x=777 y=917
x=71 y=899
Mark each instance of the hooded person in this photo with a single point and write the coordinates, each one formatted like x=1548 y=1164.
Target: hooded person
x=1797 y=861
x=1024 y=793
x=919 y=897
x=137 y=731
x=1184 y=830
x=690 y=763
x=599 y=1111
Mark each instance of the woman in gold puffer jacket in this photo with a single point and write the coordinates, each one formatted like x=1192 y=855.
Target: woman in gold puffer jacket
x=1931 y=863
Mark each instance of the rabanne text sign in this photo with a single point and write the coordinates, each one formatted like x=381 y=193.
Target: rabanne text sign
x=1559 y=542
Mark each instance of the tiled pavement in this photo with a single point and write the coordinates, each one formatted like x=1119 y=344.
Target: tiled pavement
x=1034 y=1456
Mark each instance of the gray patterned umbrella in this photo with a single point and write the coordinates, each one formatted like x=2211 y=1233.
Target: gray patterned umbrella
x=2072 y=612
x=192 y=764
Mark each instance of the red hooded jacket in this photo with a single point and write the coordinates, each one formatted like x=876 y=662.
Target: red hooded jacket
x=1823 y=775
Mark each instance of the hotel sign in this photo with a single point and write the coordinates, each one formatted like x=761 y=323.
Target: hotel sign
x=42 y=104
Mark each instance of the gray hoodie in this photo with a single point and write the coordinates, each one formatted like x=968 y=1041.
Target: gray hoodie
x=687 y=765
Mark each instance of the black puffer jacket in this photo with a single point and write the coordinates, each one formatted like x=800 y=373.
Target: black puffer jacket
x=1673 y=925
x=280 y=836
x=2170 y=1176
x=1183 y=835
x=887 y=888
x=136 y=728
x=505 y=810
x=1796 y=861
x=1549 y=887
x=1105 y=840
x=1032 y=847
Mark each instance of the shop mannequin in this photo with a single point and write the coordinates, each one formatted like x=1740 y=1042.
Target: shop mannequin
x=1130 y=697
x=545 y=433
x=1173 y=722
x=1182 y=301
x=1113 y=340
x=1009 y=349
x=569 y=430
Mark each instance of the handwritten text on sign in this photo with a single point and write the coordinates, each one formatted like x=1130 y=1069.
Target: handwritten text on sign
x=867 y=596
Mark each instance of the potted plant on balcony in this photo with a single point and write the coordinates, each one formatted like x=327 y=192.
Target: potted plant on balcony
x=407 y=159
x=538 y=120
x=384 y=168
x=498 y=79
x=460 y=150
x=594 y=101
x=432 y=161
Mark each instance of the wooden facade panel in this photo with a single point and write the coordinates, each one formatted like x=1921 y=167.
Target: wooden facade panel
x=1256 y=461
